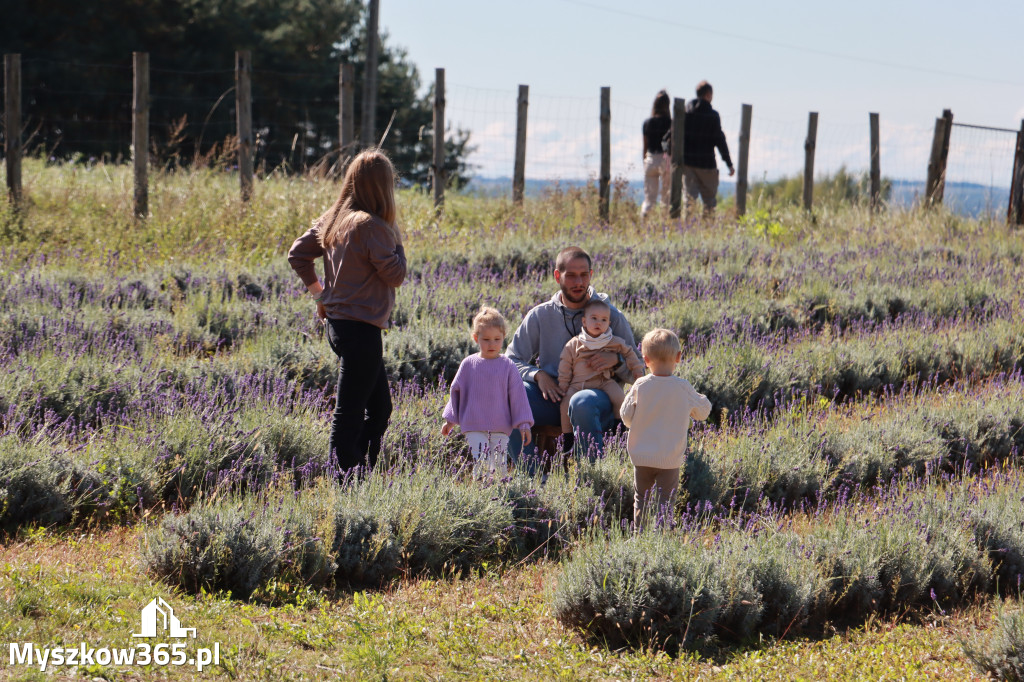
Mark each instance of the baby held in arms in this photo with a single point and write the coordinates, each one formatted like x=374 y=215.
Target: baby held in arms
x=574 y=372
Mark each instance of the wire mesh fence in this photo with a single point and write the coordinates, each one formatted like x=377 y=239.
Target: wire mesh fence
x=84 y=110
x=980 y=159
x=54 y=95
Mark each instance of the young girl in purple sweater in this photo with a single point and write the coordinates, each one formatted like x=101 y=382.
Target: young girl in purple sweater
x=487 y=398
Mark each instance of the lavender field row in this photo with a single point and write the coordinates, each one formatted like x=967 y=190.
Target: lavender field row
x=715 y=572
x=905 y=548
x=116 y=381
x=744 y=287
x=188 y=459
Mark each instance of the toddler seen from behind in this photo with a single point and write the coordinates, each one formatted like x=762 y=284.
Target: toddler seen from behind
x=657 y=410
x=487 y=398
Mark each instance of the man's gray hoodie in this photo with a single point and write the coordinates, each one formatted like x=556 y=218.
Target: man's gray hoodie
x=543 y=333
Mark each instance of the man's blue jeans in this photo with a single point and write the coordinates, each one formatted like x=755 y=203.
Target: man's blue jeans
x=590 y=413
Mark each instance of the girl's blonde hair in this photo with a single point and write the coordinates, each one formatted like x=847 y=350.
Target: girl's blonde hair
x=661 y=345
x=488 y=317
x=368 y=187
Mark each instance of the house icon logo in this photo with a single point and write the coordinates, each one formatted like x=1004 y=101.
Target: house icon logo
x=159 y=613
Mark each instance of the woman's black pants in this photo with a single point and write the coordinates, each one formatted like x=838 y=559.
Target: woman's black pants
x=363 y=407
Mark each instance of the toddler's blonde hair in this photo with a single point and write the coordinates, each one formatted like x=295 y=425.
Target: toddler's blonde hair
x=661 y=345
x=488 y=317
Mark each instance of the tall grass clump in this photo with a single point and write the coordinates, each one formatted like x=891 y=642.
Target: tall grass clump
x=999 y=653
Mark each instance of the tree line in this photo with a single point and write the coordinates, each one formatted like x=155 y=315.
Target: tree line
x=76 y=80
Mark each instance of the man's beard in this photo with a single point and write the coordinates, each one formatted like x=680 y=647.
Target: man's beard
x=568 y=297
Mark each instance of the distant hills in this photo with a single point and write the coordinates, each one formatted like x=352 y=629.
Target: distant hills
x=966 y=198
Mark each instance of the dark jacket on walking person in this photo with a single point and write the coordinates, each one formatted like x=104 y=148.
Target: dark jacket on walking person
x=702 y=133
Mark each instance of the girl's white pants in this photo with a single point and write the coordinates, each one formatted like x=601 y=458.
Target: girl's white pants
x=490 y=453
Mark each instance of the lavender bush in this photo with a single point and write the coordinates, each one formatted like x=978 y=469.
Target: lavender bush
x=907 y=547
x=1000 y=652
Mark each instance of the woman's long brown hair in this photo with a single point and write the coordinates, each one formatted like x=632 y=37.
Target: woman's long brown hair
x=368 y=187
x=660 y=106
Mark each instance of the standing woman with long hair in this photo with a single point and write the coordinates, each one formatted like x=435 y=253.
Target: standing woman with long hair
x=657 y=165
x=364 y=262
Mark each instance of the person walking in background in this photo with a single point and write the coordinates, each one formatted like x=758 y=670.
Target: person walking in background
x=488 y=400
x=364 y=262
x=702 y=133
x=657 y=410
x=657 y=166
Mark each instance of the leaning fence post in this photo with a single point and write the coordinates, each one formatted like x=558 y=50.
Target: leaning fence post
x=140 y=132
x=1015 y=213
x=944 y=157
x=439 y=176
x=678 y=122
x=936 y=165
x=519 y=173
x=243 y=119
x=746 y=113
x=604 y=188
x=12 y=126
x=876 y=165
x=809 y=145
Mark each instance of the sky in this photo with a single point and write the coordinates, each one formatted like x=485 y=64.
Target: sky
x=907 y=61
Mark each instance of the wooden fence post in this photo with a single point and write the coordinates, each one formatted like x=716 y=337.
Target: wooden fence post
x=439 y=175
x=369 y=120
x=941 y=186
x=12 y=126
x=243 y=119
x=604 y=187
x=140 y=132
x=809 y=144
x=746 y=113
x=678 y=122
x=876 y=164
x=519 y=174
x=936 y=167
x=1015 y=213
x=346 y=110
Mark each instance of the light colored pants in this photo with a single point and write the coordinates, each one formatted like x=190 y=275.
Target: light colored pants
x=490 y=453
x=702 y=181
x=654 y=489
x=657 y=169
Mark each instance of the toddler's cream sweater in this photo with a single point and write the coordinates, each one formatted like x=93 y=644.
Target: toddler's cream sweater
x=657 y=410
